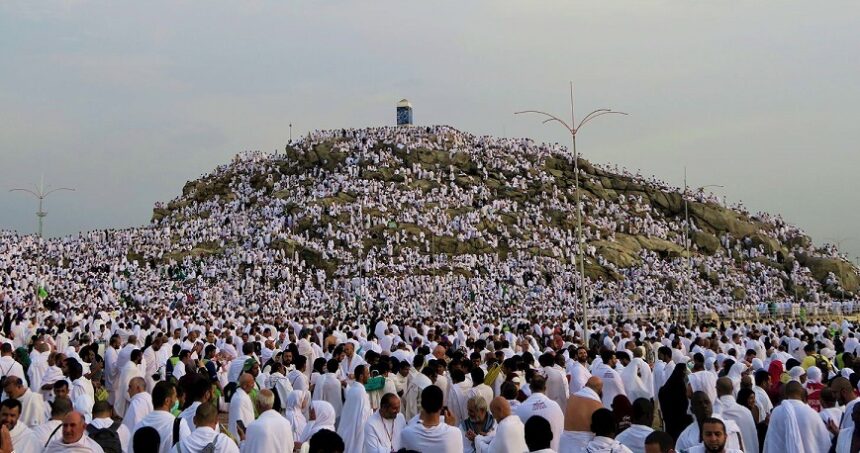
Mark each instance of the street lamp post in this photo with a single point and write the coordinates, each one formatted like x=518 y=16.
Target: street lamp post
x=573 y=128
x=41 y=194
x=838 y=241
x=687 y=246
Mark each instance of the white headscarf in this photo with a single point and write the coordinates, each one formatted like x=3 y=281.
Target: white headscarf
x=296 y=402
x=813 y=375
x=796 y=372
x=325 y=418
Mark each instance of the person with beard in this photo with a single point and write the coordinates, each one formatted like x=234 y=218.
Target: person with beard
x=714 y=438
x=577 y=369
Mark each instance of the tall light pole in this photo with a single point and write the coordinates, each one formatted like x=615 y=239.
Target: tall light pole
x=41 y=194
x=573 y=128
x=687 y=245
x=838 y=241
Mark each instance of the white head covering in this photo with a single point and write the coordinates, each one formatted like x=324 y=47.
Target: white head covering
x=325 y=419
x=296 y=401
x=796 y=372
x=813 y=375
x=757 y=364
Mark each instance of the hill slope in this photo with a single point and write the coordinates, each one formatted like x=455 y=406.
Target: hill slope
x=397 y=205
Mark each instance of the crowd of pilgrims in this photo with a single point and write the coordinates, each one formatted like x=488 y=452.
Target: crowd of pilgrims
x=622 y=386
x=287 y=293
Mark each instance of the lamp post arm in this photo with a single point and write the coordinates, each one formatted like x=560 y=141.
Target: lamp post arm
x=28 y=191
x=596 y=114
x=550 y=119
x=57 y=190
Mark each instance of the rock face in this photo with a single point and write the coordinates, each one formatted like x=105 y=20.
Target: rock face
x=414 y=171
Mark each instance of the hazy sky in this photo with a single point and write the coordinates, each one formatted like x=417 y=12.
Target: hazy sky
x=126 y=101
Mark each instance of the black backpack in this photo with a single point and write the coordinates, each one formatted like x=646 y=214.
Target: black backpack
x=107 y=438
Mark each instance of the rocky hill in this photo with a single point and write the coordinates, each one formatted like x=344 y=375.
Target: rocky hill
x=390 y=203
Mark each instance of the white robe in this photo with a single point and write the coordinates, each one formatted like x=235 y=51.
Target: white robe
x=409 y=404
x=328 y=389
x=690 y=436
x=82 y=394
x=37 y=368
x=730 y=409
x=557 y=387
x=356 y=411
x=139 y=407
x=241 y=408
x=509 y=437
x=23 y=440
x=795 y=427
x=128 y=372
x=42 y=434
x=203 y=436
x=704 y=381
x=539 y=404
x=612 y=384
x=634 y=437
x=111 y=372
x=270 y=432
x=638 y=380
x=161 y=421
x=83 y=445
x=32 y=409
x=383 y=435
x=606 y=445
x=578 y=376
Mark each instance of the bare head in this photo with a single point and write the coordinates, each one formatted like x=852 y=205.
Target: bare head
x=596 y=384
x=265 y=400
x=500 y=408
x=73 y=427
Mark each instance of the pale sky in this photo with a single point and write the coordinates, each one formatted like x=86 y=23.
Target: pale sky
x=125 y=101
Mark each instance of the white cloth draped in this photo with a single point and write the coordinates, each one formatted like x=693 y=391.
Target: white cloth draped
x=203 y=436
x=356 y=411
x=509 y=437
x=638 y=381
x=634 y=437
x=383 y=435
x=795 y=427
x=139 y=407
x=294 y=410
x=241 y=408
x=731 y=410
x=539 y=404
x=270 y=432
x=32 y=409
x=328 y=389
x=161 y=421
x=325 y=419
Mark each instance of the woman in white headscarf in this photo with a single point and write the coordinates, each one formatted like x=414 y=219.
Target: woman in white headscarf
x=735 y=374
x=322 y=417
x=796 y=373
x=297 y=401
x=813 y=387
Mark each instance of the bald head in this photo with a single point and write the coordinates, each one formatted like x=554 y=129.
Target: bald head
x=724 y=386
x=74 y=425
x=246 y=381
x=595 y=383
x=794 y=390
x=136 y=385
x=500 y=408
